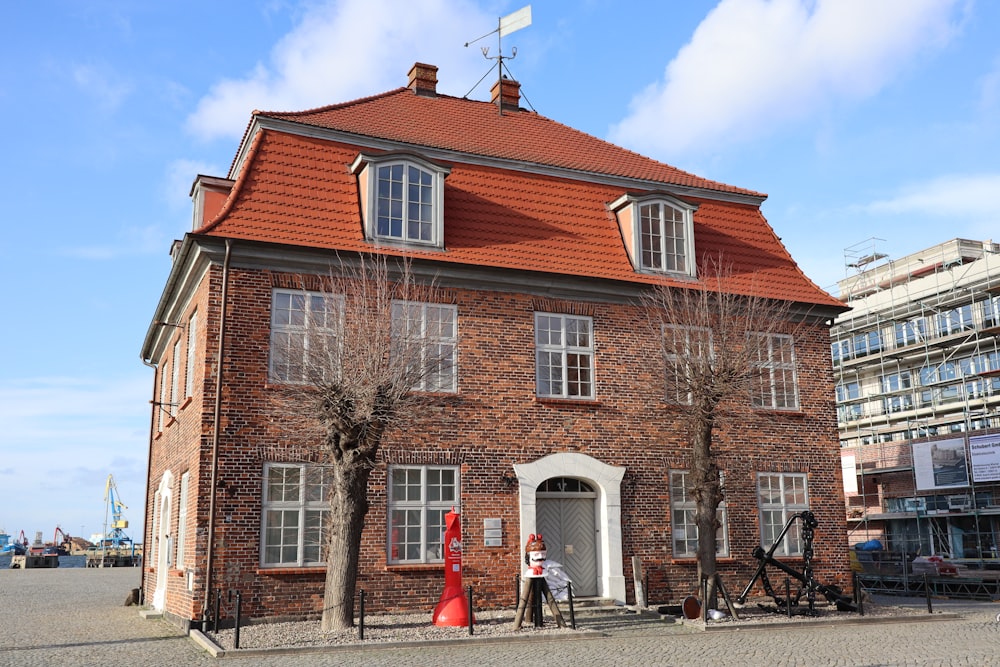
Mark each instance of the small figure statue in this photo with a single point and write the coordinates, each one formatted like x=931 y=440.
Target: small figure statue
x=535 y=555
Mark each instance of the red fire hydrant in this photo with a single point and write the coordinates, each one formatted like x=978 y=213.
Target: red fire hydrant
x=453 y=607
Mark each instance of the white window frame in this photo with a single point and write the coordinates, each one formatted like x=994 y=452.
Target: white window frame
x=776 y=386
x=690 y=342
x=162 y=403
x=991 y=312
x=296 y=523
x=192 y=349
x=423 y=324
x=647 y=231
x=663 y=232
x=956 y=320
x=182 y=513
x=310 y=324
x=565 y=349
x=175 y=378
x=779 y=496
x=369 y=168
x=684 y=531
x=910 y=332
x=415 y=525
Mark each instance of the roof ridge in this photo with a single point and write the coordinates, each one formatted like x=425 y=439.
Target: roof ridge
x=649 y=159
x=333 y=106
x=573 y=143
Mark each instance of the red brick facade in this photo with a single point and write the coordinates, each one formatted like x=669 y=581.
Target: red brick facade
x=493 y=423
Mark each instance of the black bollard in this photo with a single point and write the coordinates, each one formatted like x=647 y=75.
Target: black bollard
x=517 y=590
x=470 y=609
x=572 y=614
x=536 y=601
x=788 y=596
x=218 y=603
x=361 y=616
x=927 y=592
x=861 y=599
x=236 y=636
x=704 y=599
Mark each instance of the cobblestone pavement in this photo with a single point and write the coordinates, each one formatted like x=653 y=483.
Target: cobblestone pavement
x=77 y=617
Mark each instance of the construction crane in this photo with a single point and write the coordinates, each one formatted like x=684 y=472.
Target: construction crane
x=113 y=506
x=64 y=546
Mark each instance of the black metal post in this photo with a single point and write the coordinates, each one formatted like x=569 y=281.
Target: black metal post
x=788 y=596
x=704 y=599
x=517 y=590
x=361 y=615
x=927 y=592
x=218 y=603
x=572 y=614
x=536 y=601
x=470 y=609
x=236 y=637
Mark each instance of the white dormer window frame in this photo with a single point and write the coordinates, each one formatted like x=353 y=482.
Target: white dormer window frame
x=402 y=198
x=658 y=231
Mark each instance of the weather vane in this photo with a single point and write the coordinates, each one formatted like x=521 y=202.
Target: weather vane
x=505 y=25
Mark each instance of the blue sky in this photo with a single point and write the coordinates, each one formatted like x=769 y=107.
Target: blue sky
x=861 y=119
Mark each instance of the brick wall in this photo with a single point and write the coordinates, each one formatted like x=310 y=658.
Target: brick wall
x=492 y=423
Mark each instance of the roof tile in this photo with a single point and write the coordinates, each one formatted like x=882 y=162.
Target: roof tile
x=297 y=190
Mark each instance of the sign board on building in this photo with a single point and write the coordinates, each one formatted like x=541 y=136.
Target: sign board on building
x=493 y=532
x=941 y=464
x=985 y=451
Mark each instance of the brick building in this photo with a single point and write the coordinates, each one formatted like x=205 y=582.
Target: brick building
x=543 y=238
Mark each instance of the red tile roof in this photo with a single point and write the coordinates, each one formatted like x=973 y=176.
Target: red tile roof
x=297 y=190
x=476 y=127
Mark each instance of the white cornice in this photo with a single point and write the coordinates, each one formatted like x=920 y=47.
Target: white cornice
x=199 y=251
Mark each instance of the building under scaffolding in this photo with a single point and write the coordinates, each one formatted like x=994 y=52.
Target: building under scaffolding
x=917 y=368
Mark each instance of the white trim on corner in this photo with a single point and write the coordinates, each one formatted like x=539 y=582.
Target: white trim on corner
x=607 y=479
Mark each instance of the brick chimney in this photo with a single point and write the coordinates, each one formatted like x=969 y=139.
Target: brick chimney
x=506 y=93
x=423 y=79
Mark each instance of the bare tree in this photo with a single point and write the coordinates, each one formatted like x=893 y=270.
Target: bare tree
x=718 y=351
x=354 y=365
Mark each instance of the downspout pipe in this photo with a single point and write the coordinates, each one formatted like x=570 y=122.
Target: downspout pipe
x=216 y=436
x=147 y=523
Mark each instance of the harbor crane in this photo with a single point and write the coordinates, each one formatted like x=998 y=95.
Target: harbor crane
x=116 y=537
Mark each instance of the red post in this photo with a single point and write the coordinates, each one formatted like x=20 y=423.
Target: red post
x=452 y=608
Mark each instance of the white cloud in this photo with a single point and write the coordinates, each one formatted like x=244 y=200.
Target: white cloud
x=970 y=197
x=754 y=65
x=345 y=49
x=36 y=412
x=989 y=90
x=63 y=436
x=103 y=84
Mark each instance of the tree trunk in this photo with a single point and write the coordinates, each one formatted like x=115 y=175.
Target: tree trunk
x=348 y=506
x=707 y=491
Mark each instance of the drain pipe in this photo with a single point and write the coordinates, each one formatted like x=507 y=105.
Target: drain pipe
x=146 y=523
x=216 y=419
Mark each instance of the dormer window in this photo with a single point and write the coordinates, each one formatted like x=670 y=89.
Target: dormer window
x=403 y=198
x=658 y=232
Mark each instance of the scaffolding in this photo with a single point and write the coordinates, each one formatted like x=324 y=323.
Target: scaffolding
x=917 y=359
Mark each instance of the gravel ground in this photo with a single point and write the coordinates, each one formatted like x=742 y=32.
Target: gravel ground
x=381 y=628
x=385 y=628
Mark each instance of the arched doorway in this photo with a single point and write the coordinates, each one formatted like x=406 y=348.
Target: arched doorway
x=161 y=524
x=566 y=517
x=605 y=483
